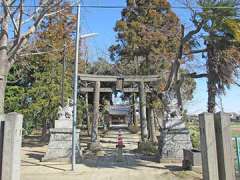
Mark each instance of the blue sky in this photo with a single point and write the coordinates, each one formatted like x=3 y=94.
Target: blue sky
x=102 y=22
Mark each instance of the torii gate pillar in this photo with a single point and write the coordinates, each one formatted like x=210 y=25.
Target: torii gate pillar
x=143 y=118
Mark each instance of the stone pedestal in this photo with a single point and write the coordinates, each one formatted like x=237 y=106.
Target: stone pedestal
x=171 y=144
x=60 y=145
x=63 y=124
x=191 y=158
x=175 y=136
x=175 y=123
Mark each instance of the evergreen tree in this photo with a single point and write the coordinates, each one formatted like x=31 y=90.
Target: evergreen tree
x=147 y=37
x=148 y=40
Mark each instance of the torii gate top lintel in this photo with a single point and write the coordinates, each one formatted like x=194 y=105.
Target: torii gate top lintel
x=106 y=78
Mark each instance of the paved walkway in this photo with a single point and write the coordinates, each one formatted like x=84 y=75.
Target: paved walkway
x=134 y=167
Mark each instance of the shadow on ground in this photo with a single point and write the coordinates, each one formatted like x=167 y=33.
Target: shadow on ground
x=35 y=141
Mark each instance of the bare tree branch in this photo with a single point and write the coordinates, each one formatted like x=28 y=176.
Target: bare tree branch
x=12 y=2
x=175 y=64
x=190 y=34
x=53 y=13
x=196 y=51
x=19 y=28
x=39 y=53
x=196 y=76
x=14 y=82
x=6 y=7
x=38 y=19
x=236 y=83
x=32 y=16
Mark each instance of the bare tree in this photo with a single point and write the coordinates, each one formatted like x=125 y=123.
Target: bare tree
x=174 y=79
x=18 y=24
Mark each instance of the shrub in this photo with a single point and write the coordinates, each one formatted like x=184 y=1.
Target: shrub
x=134 y=129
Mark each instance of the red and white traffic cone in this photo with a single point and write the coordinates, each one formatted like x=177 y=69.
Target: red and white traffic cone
x=119 y=139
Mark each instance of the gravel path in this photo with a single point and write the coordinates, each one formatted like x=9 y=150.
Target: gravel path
x=133 y=167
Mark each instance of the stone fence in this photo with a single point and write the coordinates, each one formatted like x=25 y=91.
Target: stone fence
x=216 y=146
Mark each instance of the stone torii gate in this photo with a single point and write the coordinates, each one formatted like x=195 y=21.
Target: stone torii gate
x=97 y=89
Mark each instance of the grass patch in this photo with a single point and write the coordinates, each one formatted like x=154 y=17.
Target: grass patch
x=193 y=128
x=195 y=133
x=147 y=148
x=235 y=129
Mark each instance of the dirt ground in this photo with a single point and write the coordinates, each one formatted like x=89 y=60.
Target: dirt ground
x=134 y=167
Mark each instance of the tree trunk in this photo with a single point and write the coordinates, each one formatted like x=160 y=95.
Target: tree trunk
x=212 y=78
x=4 y=63
x=44 y=128
x=94 y=135
x=2 y=93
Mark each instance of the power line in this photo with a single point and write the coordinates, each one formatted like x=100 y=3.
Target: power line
x=121 y=7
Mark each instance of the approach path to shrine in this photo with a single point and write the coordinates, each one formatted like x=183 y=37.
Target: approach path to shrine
x=134 y=167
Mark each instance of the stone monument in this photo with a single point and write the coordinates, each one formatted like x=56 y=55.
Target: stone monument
x=174 y=135
x=60 y=144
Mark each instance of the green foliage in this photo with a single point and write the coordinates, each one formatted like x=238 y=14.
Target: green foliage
x=194 y=134
x=193 y=127
x=188 y=87
x=101 y=67
x=37 y=95
x=40 y=100
x=233 y=27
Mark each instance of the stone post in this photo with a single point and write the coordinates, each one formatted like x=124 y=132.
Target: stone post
x=143 y=118
x=224 y=146
x=1 y=142
x=153 y=137
x=208 y=147
x=11 y=161
x=94 y=135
